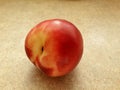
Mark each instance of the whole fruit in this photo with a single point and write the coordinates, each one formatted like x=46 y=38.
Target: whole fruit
x=54 y=46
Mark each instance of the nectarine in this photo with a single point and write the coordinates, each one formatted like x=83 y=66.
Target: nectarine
x=54 y=46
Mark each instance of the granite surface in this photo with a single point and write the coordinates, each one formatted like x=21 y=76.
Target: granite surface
x=99 y=23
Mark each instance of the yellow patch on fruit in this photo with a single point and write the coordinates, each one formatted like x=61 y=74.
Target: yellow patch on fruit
x=36 y=41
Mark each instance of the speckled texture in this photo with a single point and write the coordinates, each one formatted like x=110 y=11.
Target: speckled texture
x=99 y=22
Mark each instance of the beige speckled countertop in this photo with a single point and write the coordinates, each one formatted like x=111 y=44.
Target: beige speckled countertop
x=99 y=23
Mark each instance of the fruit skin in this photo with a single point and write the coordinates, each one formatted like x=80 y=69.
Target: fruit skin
x=55 y=46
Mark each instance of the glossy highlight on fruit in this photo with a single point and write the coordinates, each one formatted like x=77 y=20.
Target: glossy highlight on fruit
x=55 y=46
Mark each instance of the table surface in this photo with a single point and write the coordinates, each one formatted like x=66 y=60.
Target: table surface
x=99 y=23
